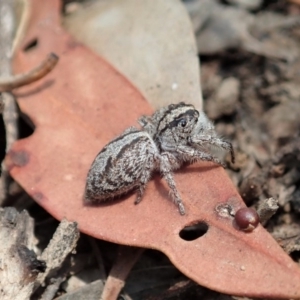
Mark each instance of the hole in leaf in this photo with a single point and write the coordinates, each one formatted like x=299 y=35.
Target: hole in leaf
x=26 y=126
x=31 y=45
x=193 y=232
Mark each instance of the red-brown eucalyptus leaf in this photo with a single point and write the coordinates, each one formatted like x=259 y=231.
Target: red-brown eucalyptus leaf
x=78 y=108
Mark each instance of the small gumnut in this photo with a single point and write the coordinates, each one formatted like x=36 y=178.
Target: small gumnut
x=246 y=219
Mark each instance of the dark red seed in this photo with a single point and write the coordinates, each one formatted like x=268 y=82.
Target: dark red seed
x=246 y=219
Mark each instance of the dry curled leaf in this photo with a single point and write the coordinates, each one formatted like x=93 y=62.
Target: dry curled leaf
x=76 y=110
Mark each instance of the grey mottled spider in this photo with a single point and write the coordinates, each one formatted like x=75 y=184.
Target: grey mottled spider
x=173 y=135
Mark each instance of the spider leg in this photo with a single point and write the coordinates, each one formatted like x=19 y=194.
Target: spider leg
x=142 y=186
x=168 y=162
x=130 y=129
x=199 y=139
x=190 y=154
x=140 y=193
x=145 y=177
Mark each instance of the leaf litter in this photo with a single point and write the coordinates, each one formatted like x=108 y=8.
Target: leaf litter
x=264 y=95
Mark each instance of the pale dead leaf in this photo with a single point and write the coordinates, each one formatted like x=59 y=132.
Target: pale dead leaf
x=149 y=41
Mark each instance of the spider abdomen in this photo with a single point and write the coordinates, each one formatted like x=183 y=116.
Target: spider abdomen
x=120 y=166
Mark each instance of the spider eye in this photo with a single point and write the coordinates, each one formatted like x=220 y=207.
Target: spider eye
x=182 y=123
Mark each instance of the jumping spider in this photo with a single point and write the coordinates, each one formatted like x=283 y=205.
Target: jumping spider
x=173 y=135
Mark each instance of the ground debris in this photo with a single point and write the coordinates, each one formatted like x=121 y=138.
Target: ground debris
x=266 y=209
x=21 y=270
x=62 y=244
x=219 y=27
x=19 y=266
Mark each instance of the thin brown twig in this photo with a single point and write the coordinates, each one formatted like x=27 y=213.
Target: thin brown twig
x=126 y=259
x=10 y=83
